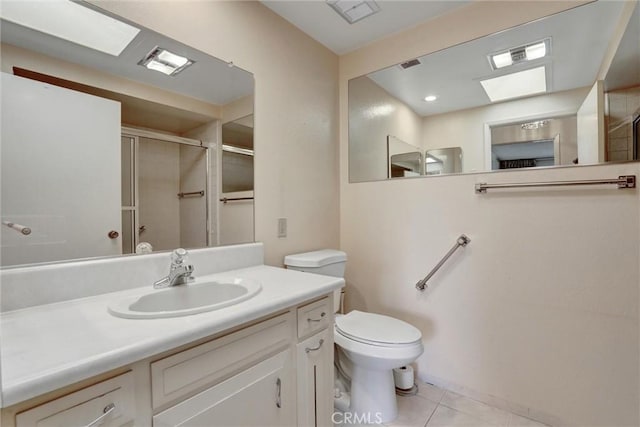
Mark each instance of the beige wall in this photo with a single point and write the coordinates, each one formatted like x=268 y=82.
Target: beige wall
x=540 y=312
x=295 y=110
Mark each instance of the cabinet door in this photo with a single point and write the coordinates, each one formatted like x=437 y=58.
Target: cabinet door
x=315 y=380
x=262 y=395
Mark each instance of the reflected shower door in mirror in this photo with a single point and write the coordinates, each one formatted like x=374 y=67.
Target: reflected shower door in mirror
x=109 y=150
x=164 y=192
x=553 y=92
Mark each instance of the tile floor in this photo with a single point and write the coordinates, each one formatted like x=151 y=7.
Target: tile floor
x=435 y=407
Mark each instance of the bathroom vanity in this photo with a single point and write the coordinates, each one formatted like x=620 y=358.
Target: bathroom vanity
x=264 y=361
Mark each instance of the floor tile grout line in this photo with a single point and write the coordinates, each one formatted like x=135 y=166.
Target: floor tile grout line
x=431 y=416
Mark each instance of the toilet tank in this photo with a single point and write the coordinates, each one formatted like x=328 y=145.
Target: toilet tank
x=328 y=262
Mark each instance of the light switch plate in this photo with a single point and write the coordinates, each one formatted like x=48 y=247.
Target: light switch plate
x=282 y=227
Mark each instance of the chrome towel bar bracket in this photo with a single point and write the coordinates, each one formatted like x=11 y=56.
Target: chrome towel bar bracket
x=461 y=241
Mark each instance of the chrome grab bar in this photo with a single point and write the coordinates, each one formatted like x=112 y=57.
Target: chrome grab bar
x=461 y=241
x=19 y=228
x=623 y=181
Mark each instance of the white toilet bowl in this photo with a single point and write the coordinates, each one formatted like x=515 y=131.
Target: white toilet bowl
x=375 y=345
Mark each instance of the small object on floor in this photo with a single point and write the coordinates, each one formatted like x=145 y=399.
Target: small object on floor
x=407 y=392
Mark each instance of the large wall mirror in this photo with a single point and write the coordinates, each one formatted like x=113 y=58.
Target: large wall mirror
x=148 y=147
x=559 y=91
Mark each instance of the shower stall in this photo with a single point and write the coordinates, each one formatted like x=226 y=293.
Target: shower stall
x=165 y=195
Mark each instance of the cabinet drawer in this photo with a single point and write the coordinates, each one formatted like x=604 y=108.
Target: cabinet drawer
x=314 y=317
x=87 y=405
x=193 y=370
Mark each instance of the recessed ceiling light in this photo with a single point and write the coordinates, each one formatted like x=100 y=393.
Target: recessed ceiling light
x=516 y=85
x=72 y=22
x=430 y=98
x=520 y=54
x=166 y=62
x=354 y=11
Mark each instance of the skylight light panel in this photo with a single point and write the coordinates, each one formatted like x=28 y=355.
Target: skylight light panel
x=516 y=85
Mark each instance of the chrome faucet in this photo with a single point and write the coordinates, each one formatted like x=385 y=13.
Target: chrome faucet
x=179 y=272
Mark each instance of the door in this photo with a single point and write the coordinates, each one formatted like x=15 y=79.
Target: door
x=60 y=173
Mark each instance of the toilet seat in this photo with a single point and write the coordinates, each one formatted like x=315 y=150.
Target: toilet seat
x=376 y=330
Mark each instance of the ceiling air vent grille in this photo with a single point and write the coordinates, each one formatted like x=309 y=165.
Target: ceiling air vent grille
x=410 y=63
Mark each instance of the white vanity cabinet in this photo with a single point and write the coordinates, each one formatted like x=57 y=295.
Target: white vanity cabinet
x=263 y=395
x=252 y=368
x=276 y=371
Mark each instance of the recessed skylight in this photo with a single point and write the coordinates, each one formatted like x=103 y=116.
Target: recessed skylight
x=520 y=54
x=354 y=11
x=516 y=85
x=72 y=22
x=166 y=62
x=430 y=98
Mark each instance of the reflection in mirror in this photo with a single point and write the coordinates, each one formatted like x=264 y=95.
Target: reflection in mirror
x=442 y=161
x=102 y=153
x=550 y=92
x=546 y=142
x=404 y=159
x=237 y=155
x=405 y=164
x=236 y=209
x=164 y=188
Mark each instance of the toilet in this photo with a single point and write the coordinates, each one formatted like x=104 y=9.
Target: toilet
x=373 y=343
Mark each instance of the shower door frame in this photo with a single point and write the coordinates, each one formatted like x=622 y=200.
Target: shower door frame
x=136 y=134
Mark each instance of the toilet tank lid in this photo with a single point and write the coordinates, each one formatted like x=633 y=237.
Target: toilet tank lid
x=315 y=258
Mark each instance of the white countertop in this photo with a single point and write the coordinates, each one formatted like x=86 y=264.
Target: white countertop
x=50 y=346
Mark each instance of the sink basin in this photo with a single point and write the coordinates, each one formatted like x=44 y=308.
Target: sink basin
x=184 y=300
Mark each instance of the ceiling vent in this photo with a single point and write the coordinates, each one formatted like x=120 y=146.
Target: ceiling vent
x=354 y=11
x=409 y=64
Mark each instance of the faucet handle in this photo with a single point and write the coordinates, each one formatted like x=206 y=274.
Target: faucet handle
x=178 y=256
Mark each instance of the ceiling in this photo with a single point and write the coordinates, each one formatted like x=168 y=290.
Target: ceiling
x=454 y=74
x=197 y=81
x=321 y=22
